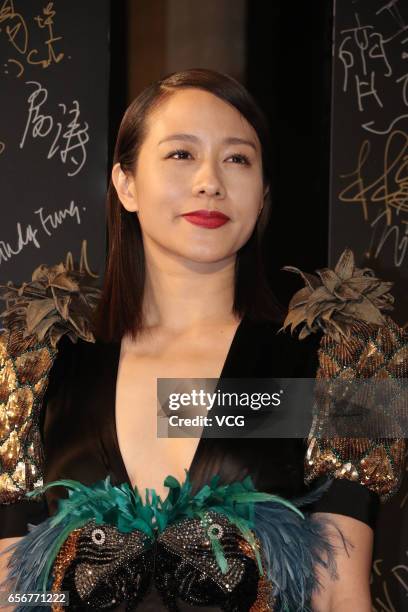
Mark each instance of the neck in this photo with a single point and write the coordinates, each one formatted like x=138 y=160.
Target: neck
x=181 y=293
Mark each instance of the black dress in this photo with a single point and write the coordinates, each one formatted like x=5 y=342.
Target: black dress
x=80 y=440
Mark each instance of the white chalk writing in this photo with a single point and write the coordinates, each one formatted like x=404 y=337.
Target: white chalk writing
x=69 y=141
x=30 y=234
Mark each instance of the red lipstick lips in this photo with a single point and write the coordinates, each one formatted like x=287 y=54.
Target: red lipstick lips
x=210 y=219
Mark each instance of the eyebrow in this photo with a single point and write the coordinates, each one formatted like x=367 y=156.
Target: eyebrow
x=192 y=138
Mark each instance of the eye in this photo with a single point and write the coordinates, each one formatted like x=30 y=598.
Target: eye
x=215 y=531
x=98 y=536
x=239 y=158
x=179 y=154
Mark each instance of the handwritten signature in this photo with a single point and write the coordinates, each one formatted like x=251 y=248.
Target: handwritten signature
x=17 y=32
x=29 y=234
x=366 y=60
x=72 y=140
x=362 y=47
x=399 y=234
x=391 y=187
x=24 y=237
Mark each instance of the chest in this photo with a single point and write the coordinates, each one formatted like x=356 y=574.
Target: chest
x=100 y=396
x=149 y=459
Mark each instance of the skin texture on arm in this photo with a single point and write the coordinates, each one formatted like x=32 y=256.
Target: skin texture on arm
x=4 y=543
x=351 y=591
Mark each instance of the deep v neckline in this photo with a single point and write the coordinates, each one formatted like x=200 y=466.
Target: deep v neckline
x=116 y=458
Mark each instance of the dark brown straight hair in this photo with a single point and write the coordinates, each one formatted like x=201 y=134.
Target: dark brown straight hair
x=120 y=308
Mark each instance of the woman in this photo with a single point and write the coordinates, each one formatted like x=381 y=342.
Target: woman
x=183 y=296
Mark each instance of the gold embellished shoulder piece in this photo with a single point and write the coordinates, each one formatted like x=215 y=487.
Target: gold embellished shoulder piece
x=58 y=301
x=358 y=342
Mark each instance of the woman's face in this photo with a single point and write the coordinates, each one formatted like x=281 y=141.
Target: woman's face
x=199 y=154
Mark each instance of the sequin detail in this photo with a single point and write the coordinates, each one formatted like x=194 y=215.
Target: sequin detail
x=64 y=559
x=180 y=563
x=187 y=567
x=265 y=601
x=24 y=367
x=104 y=572
x=58 y=301
x=380 y=352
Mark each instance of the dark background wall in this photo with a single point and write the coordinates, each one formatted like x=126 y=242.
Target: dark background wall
x=54 y=80
x=288 y=71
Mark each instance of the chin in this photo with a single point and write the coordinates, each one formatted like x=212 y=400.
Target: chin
x=207 y=256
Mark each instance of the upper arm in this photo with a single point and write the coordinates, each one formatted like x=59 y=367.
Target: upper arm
x=358 y=342
x=353 y=562
x=364 y=472
x=4 y=556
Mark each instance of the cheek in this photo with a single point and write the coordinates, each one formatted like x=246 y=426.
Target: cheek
x=247 y=198
x=161 y=187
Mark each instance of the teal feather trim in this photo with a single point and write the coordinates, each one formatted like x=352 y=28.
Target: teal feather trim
x=236 y=501
x=294 y=548
x=29 y=559
x=286 y=543
x=102 y=502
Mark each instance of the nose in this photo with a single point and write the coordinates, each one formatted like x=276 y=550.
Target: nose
x=208 y=183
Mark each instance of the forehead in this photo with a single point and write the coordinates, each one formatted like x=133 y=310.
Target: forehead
x=201 y=113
